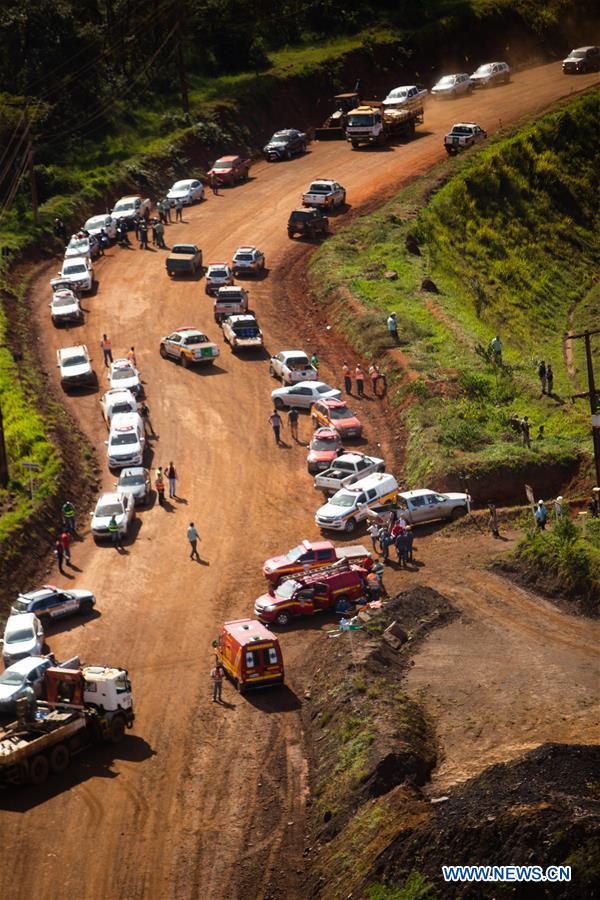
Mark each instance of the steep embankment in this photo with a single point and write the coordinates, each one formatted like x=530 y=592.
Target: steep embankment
x=509 y=238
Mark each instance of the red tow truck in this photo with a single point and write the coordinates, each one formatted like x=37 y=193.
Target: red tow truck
x=304 y=595
x=309 y=555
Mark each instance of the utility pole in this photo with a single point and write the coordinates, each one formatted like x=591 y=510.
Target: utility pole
x=183 y=85
x=34 y=194
x=594 y=397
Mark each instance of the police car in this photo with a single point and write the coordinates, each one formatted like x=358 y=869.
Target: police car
x=189 y=346
x=126 y=440
x=65 y=307
x=218 y=275
x=124 y=375
x=50 y=602
x=118 y=400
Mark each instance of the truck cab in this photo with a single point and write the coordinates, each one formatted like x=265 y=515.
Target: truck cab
x=305 y=595
x=250 y=654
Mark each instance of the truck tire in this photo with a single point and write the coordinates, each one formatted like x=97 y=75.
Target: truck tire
x=350 y=525
x=163 y=352
x=87 y=607
x=117 y=730
x=38 y=769
x=457 y=513
x=283 y=618
x=60 y=758
x=185 y=362
x=272 y=371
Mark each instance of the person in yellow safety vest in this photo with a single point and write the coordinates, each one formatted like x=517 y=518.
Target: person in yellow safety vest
x=68 y=513
x=113 y=530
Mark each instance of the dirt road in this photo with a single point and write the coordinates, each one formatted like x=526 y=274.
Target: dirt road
x=203 y=800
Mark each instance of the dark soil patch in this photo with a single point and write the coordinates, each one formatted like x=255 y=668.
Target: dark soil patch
x=550 y=585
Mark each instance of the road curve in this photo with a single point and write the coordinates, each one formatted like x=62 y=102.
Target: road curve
x=204 y=800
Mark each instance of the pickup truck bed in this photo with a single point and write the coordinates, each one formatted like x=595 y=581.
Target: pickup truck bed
x=183 y=260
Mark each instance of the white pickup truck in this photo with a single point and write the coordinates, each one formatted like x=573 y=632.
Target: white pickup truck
x=347 y=469
x=242 y=333
x=324 y=193
x=406 y=95
x=231 y=300
x=462 y=136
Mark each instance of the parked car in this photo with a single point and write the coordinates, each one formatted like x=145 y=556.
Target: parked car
x=188 y=191
x=284 y=144
x=184 y=259
x=230 y=169
x=325 y=446
x=50 y=602
x=463 y=136
x=490 y=74
x=189 y=347
x=75 y=367
x=231 y=300
x=218 y=275
x=242 y=333
x=23 y=636
x=292 y=366
x=316 y=592
x=115 y=401
x=248 y=261
x=346 y=469
x=406 y=95
x=309 y=555
x=303 y=395
x=126 y=440
x=65 y=308
x=18 y=677
x=582 y=60
x=309 y=222
x=451 y=86
x=124 y=376
x=80 y=246
x=334 y=413
x=350 y=505
x=421 y=506
x=135 y=481
x=95 y=224
x=127 y=208
x=78 y=273
x=119 y=504
x=324 y=192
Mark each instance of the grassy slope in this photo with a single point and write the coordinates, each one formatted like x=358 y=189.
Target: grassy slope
x=512 y=242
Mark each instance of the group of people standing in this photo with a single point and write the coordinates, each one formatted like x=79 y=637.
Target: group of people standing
x=398 y=534
x=376 y=376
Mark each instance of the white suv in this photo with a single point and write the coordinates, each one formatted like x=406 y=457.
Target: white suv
x=248 y=261
x=126 y=440
x=218 y=275
x=119 y=400
x=75 y=367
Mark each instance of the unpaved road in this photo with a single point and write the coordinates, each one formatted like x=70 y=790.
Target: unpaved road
x=203 y=800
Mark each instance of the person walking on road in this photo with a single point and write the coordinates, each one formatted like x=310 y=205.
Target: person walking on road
x=217 y=675
x=179 y=210
x=68 y=514
x=293 y=422
x=360 y=380
x=374 y=376
x=542 y=375
x=145 y=414
x=214 y=184
x=65 y=540
x=192 y=536
x=274 y=421
x=549 y=379
x=159 y=484
x=171 y=474
x=347 y=378
x=392 y=324
x=106 y=348
x=115 y=534
x=59 y=554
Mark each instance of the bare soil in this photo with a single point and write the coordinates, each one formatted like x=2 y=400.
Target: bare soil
x=210 y=800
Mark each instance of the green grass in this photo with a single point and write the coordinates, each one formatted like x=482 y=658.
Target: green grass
x=511 y=240
x=416 y=887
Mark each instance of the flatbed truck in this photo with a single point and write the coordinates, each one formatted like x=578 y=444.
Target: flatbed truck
x=376 y=123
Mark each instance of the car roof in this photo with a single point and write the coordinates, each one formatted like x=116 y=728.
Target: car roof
x=133 y=470
x=119 y=394
x=26 y=618
x=231 y=289
x=47 y=591
x=588 y=47
x=126 y=421
x=186 y=332
x=326 y=431
x=24 y=666
x=108 y=496
x=248 y=631
x=129 y=197
x=303 y=210
x=420 y=492
x=333 y=402
x=245 y=317
x=218 y=265
x=464 y=125
x=292 y=353
x=309 y=383
x=75 y=259
x=324 y=180
x=249 y=248
x=72 y=351
x=227 y=158
x=121 y=363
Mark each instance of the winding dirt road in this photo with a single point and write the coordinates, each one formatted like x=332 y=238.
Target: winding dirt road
x=203 y=800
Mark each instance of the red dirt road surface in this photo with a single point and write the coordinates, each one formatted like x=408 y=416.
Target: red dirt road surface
x=203 y=800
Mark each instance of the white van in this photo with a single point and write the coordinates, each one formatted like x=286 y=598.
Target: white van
x=126 y=440
x=350 y=505
x=23 y=636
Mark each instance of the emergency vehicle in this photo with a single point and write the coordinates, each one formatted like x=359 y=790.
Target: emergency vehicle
x=250 y=654
x=313 y=555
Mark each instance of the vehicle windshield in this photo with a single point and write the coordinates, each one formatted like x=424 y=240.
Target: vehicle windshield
x=339 y=412
x=121 y=408
x=120 y=374
x=577 y=54
x=223 y=164
x=184 y=248
x=295 y=554
x=361 y=119
x=218 y=273
x=12 y=678
x=279 y=139
x=297 y=362
x=22 y=634
x=181 y=185
x=80 y=244
x=317 y=188
x=286 y=590
x=125 y=206
x=106 y=510
x=301 y=216
x=344 y=500
x=63 y=301
x=324 y=389
x=131 y=480
x=74 y=361
x=483 y=70
x=244 y=257
x=462 y=129
x=398 y=94
x=95 y=222
x=120 y=438
x=196 y=339
x=78 y=269
x=245 y=328
x=447 y=79
x=322 y=444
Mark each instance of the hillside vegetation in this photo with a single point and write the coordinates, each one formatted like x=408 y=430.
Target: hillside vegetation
x=510 y=238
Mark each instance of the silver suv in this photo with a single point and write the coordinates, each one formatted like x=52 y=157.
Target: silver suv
x=489 y=74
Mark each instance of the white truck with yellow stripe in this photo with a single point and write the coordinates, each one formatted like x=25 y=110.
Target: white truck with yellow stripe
x=349 y=506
